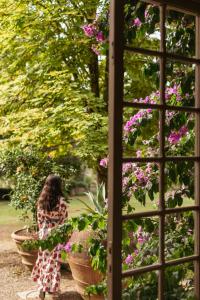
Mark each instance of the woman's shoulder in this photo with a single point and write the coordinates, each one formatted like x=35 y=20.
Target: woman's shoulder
x=63 y=202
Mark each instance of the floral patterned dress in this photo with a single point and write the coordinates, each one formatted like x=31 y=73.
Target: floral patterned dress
x=46 y=271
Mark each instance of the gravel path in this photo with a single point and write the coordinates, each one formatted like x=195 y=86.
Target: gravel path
x=14 y=277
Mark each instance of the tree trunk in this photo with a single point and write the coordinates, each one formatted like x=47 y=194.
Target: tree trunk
x=94 y=73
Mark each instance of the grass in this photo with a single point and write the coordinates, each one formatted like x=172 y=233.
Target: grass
x=9 y=216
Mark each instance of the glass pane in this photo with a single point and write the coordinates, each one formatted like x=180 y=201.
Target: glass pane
x=140 y=244
x=140 y=187
x=179 y=133
x=180 y=84
x=140 y=133
x=179 y=239
x=141 y=78
x=141 y=287
x=179 y=282
x=180 y=33
x=142 y=27
x=179 y=184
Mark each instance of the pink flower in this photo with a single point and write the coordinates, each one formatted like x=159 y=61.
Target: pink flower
x=141 y=176
x=68 y=247
x=146 y=14
x=125 y=182
x=129 y=259
x=100 y=37
x=127 y=167
x=138 y=153
x=89 y=30
x=59 y=247
x=183 y=130
x=104 y=162
x=141 y=240
x=174 y=138
x=147 y=99
x=137 y=22
x=136 y=252
x=148 y=169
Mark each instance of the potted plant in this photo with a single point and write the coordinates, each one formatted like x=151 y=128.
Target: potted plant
x=27 y=168
x=80 y=263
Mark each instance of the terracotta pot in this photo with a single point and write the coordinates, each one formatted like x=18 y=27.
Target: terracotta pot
x=28 y=256
x=80 y=265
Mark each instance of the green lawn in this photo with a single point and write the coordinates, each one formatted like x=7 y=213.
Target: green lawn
x=8 y=215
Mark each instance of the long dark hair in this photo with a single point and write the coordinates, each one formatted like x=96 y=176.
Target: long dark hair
x=51 y=193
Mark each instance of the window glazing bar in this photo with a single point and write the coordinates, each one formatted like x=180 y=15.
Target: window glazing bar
x=115 y=149
x=170 y=56
x=160 y=107
x=197 y=163
x=154 y=213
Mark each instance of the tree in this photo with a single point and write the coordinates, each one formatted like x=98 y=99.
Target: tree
x=54 y=91
x=50 y=79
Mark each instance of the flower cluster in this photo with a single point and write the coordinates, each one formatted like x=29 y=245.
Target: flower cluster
x=104 y=162
x=89 y=30
x=137 y=22
x=173 y=95
x=137 y=119
x=140 y=237
x=134 y=176
x=66 y=247
x=175 y=136
x=92 y=31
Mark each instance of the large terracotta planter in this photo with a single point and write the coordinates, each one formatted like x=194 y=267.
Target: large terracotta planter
x=80 y=265
x=28 y=256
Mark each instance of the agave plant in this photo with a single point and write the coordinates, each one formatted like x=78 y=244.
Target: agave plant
x=97 y=199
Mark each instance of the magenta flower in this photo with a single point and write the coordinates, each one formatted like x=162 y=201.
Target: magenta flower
x=100 y=37
x=104 y=162
x=174 y=138
x=137 y=22
x=89 y=30
x=68 y=247
x=138 y=153
x=129 y=259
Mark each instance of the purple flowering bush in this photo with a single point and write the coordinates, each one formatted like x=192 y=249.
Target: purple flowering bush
x=140 y=183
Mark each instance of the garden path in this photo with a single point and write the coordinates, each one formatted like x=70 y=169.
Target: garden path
x=15 y=278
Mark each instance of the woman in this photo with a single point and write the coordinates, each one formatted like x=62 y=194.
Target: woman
x=51 y=211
